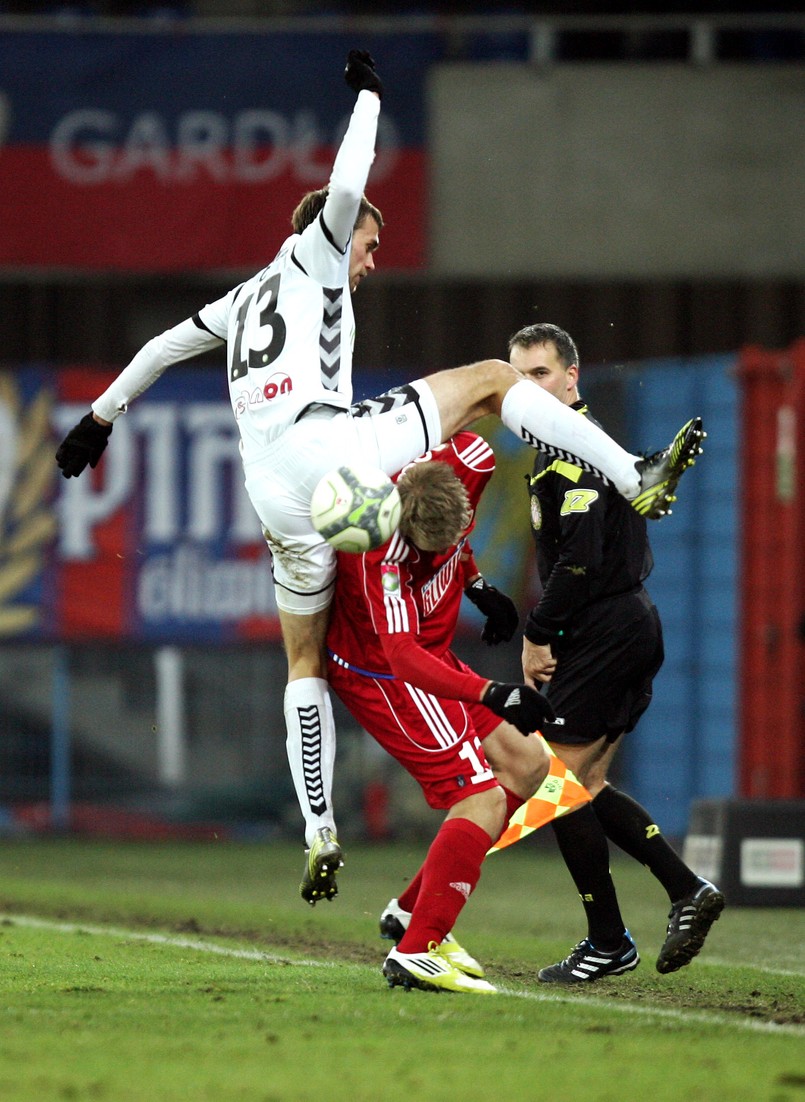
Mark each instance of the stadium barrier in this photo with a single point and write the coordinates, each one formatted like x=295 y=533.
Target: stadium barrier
x=754 y=850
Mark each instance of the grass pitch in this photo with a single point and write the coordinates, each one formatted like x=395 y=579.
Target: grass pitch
x=134 y=972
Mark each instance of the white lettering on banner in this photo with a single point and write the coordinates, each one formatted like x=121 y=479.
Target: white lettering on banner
x=80 y=148
x=201 y=139
x=310 y=171
x=217 y=477
x=187 y=585
x=81 y=504
x=161 y=456
x=260 y=130
x=91 y=146
x=147 y=146
x=214 y=506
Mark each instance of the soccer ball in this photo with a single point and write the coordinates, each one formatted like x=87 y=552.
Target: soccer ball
x=355 y=508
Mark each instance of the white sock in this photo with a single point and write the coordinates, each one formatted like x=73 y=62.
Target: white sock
x=310 y=745
x=548 y=425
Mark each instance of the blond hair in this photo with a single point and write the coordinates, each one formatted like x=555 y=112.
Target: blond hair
x=435 y=507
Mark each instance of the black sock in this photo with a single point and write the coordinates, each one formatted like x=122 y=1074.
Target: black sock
x=630 y=826
x=584 y=847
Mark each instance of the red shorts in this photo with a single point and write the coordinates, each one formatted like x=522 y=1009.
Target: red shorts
x=438 y=741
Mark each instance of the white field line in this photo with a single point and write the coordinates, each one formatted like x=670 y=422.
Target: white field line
x=175 y=941
x=201 y=946
x=683 y=1016
x=720 y=962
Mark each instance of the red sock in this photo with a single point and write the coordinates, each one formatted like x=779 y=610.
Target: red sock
x=449 y=875
x=407 y=898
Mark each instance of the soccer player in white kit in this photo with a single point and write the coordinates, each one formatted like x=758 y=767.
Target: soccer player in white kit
x=289 y=332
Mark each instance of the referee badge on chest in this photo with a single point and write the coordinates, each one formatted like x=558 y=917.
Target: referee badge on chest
x=536 y=513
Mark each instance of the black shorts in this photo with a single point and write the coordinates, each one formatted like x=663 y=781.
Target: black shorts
x=604 y=671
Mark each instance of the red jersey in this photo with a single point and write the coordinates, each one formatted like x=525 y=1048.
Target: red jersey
x=395 y=602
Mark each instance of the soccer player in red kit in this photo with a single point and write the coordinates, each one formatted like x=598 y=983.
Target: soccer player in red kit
x=394 y=617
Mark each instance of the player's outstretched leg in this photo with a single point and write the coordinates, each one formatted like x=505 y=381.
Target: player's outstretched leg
x=585 y=963
x=660 y=473
x=463 y=394
x=394 y=922
x=690 y=922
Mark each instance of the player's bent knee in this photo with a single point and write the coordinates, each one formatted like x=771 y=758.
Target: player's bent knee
x=486 y=809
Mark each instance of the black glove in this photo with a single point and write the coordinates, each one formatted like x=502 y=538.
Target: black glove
x=360 y=73
x=500 y=611
x=520 y=705
x=83 y=444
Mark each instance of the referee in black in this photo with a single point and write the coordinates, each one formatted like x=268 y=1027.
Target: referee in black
x=595 y=640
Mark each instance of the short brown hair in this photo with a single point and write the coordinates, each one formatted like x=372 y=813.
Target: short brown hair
x=545 y=333
x=312 y=204
x=435 y=507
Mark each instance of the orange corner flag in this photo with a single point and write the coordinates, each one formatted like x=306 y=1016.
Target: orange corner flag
x=559 y=793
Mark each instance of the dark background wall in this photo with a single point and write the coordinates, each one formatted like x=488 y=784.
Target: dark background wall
x=408 y=322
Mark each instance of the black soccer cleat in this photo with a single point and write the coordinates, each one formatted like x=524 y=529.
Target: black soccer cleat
x=690 y=922
x=660 y=473
x=585 y=963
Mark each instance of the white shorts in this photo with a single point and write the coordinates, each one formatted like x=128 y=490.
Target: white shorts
x=388 y=432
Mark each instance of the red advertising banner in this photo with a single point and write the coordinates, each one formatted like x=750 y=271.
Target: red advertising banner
x=157 y=151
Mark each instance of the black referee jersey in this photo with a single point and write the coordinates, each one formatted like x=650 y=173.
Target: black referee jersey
x=591 y=546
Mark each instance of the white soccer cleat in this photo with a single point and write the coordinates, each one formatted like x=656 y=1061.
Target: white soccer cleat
x=394 y=922
x=431 y=971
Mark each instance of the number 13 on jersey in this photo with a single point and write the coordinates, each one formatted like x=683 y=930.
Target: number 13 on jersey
x=258 y=312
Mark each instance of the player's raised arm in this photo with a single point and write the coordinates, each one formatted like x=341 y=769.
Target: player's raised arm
x=355 y=154
x=86 y=441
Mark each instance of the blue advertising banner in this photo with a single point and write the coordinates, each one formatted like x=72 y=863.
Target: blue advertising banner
x=179 y=150
x=160 y=542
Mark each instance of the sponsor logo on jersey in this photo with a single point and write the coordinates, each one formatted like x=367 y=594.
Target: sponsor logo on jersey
x=390 y=577
x=277 y=386
x=279 y=383
x=577 y=501
x=435 y=589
